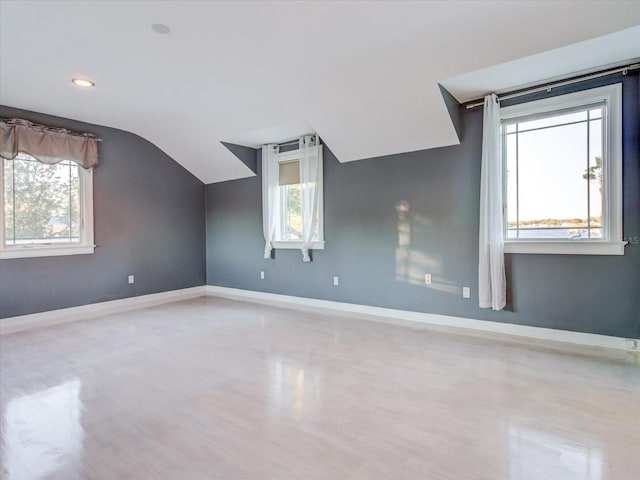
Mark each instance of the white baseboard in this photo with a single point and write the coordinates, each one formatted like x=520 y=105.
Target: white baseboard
x=65 y=315
x=538 y=333
x=72 y=314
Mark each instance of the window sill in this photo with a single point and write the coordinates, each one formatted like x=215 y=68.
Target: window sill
x=296 y=245
x=45 y=251
x=569 y=247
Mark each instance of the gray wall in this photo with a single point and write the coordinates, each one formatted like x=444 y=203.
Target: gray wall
x=149 y=222
x=440 y=189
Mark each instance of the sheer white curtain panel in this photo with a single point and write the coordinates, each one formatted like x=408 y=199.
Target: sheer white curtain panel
x=492 y=284
x=270 y=213
x=310 y=172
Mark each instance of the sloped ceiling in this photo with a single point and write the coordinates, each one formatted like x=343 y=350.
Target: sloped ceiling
x=363 y=75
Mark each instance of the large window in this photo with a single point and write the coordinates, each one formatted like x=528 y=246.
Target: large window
x=562 y=174
x=46 y=209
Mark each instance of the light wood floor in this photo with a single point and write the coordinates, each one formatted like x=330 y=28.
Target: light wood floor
x=217 y=389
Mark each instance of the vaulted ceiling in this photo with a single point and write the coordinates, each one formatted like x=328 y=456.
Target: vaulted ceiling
x=363 y=75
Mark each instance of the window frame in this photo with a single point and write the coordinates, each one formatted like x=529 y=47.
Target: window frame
x=291 y=156
x=611 y=243
x=83 y=247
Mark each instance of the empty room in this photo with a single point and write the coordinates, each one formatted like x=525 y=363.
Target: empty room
x=319 y=240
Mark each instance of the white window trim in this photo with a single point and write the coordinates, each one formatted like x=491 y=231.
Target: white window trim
x=290 y=156
x=296 y=244
x=612 y=150
x=85 y=246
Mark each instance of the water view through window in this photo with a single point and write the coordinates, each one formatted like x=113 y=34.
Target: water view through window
x=554 y=177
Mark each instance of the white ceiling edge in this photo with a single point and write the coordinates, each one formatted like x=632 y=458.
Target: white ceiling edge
x=580 y=58
x=280 y=133
x=235 y=170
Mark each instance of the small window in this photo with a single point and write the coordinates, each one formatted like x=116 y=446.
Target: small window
x=289 y=231
x=46 y=209
x=562 y=174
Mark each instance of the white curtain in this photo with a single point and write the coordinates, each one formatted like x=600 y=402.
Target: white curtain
x=310 y=172
x=269 y=196
x=492 y=284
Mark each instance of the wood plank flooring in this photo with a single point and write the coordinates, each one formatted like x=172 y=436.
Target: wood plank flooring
x=210 y=388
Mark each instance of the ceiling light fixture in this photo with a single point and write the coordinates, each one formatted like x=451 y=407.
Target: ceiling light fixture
x=83 y=82
x=160 y=28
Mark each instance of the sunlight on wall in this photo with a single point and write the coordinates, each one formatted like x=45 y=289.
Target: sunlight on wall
x=42 y=431
x=411 y=264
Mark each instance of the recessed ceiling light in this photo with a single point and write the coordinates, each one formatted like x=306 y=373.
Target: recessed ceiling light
x=83 y=82
x=160 y=28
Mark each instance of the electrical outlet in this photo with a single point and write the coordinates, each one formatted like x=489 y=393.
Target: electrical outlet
x=336 y=281
x=131 y=279
x=261 y=275
x=427 y=278
x=466 y=292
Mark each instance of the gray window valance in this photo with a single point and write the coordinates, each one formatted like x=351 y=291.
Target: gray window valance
x=47 y=144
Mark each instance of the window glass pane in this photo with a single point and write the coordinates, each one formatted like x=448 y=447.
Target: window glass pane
x=552 y=193
x=511 y=128
x=549 y=233
x=553 y=120
x=74 y=203
x=46 y=202
x=594 y=175
x=291 y=208
x=595 y=113
x=293 y=213
x=8 y=202
x=596 y=233
x=512 y=183
x=512 y=232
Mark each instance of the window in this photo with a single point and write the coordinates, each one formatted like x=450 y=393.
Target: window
x=289 y=233
x=292 y=197
x=290 y=201
x=46 y=209
x=562 y=174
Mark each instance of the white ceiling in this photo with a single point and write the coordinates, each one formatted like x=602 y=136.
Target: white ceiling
x=615 y=49
x=363 y=75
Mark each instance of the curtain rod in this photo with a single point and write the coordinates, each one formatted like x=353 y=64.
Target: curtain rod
x=560 y=83
x=12 y=122
x=292 y=142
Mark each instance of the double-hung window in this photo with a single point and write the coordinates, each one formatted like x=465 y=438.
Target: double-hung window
x=562 y=173
x=46 y=190
x=46 y=209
